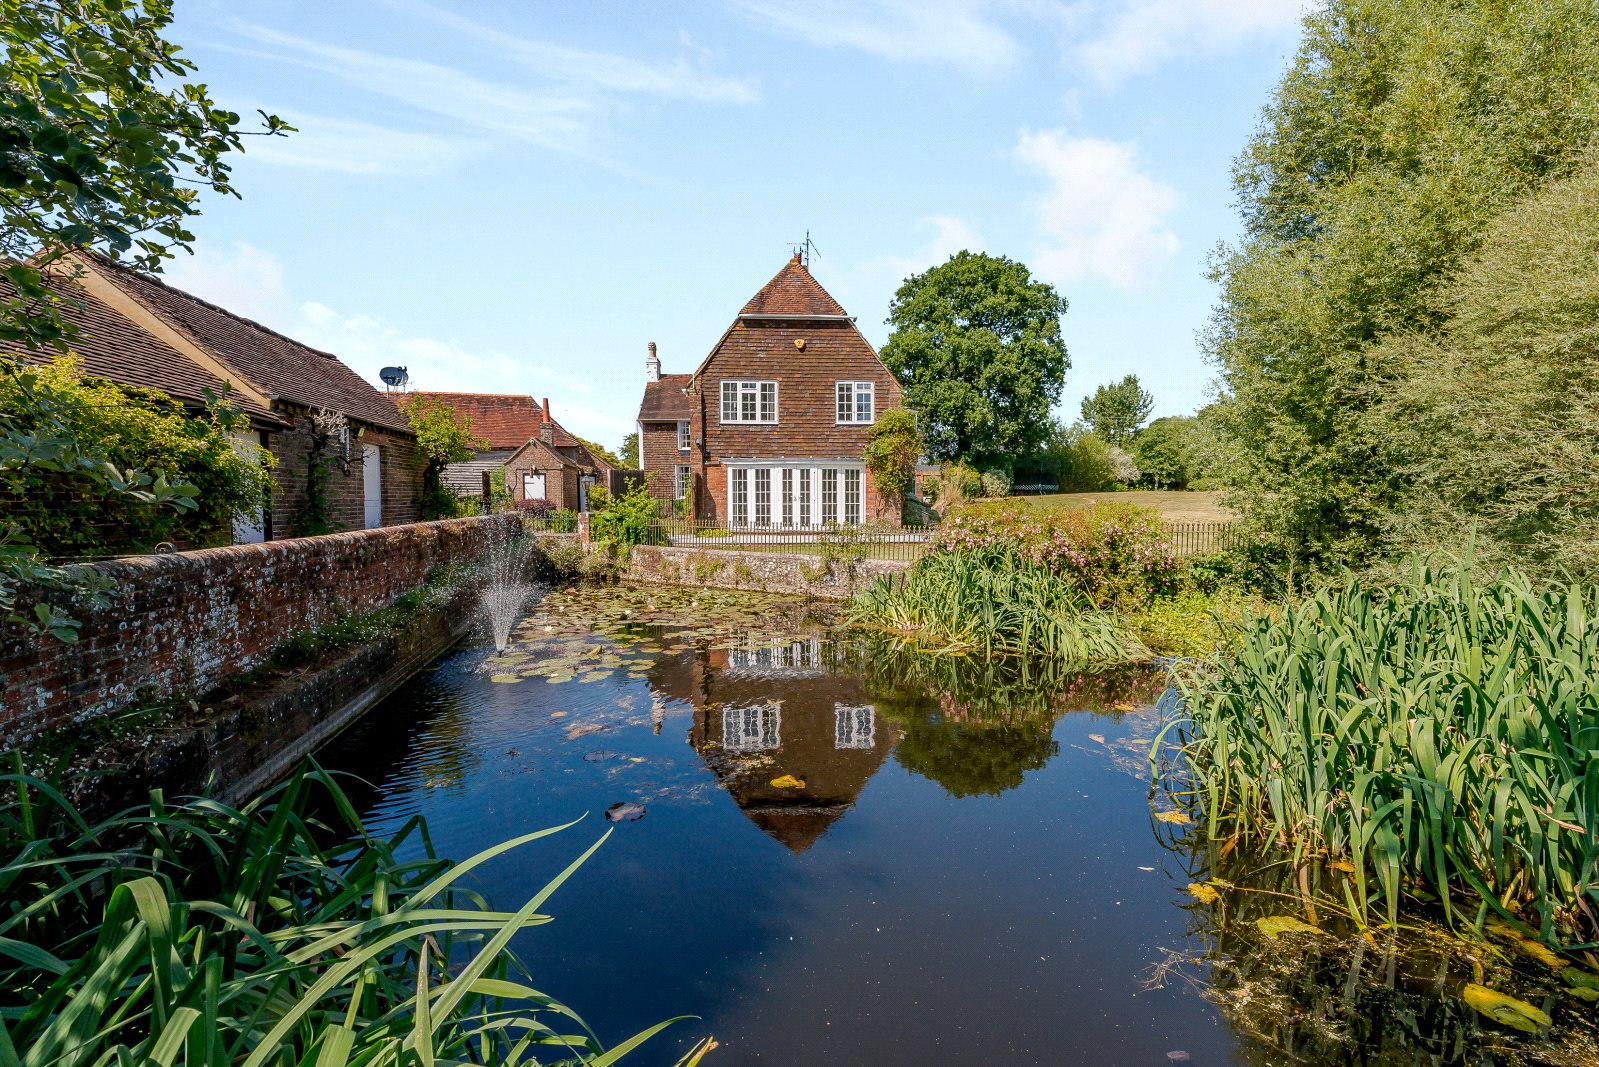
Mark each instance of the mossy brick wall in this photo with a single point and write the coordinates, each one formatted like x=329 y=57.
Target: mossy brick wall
x=184 y=623
x=767 y=572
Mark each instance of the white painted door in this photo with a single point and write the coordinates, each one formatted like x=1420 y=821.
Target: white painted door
x=248 y=529
x=372 y=478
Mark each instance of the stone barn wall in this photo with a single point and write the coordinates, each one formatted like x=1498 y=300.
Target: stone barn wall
x=183 y=623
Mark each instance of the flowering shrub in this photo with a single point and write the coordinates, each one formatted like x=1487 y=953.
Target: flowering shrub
x=1115 y=554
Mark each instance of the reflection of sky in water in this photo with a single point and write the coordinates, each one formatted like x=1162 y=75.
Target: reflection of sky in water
x=846 y=858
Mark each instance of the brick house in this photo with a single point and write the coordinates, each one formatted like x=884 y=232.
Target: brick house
x=771 y=428
x=542 y=461
x=137 y=330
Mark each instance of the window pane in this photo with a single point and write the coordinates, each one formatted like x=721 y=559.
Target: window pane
x=746 y=409
x=829 y=495
x=763 y=496
x=852 y=496
x=863 y=402
x=846 y=403
x=768 y=401
x=741 y=498
x=729 y=401
x=803 y=513
x=682 y=435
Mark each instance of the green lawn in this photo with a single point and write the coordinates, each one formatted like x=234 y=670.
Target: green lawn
x=1173 y=506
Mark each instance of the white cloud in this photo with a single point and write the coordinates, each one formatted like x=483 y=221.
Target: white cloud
x=950 y=235
x=1100 y=219
x=1129 y=37
x=250 y=282
x=322 y=143
x=955 y=32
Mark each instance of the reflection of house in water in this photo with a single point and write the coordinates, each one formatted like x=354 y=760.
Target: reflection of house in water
x=765 y=710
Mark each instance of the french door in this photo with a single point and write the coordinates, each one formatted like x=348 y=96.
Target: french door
x=797 y=497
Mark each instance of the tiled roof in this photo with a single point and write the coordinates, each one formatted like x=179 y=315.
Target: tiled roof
x=109 y=346
x=664 y=400
x=276 y=364
x=793 y=292
x=503 y=420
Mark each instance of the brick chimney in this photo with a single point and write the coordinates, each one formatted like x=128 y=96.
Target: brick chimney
x=547 y=427
x=652 y=366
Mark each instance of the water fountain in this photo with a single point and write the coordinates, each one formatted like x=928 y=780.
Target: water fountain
x=507 y=588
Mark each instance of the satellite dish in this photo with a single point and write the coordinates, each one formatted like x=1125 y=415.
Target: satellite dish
x=394 y=377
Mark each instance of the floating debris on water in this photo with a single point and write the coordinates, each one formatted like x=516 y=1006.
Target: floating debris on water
x=626 y=811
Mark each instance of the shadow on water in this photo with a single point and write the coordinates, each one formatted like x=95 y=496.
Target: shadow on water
x=853 y=855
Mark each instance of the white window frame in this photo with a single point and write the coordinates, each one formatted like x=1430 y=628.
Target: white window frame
x=854 y=725
x=852 y=407
x=682 y=435
x=680 y=480
x=799 y=494
x=743 y=389
x=527 y=477
x=752 y=728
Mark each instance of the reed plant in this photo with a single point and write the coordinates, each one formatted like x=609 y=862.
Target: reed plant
x=995 y=601
x=1439 y=736
x=278 y=934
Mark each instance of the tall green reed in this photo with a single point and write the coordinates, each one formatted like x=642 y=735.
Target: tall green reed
x=993 y=601
x=1441 y=734
x=278 y=934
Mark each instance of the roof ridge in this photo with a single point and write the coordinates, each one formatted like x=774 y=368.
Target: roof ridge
x=163 y=283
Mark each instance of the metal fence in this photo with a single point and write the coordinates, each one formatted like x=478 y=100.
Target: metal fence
x=1200 y=538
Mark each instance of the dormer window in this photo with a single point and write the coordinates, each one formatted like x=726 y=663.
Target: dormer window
x=682 y=435
x=855 y=402
x=749 y=401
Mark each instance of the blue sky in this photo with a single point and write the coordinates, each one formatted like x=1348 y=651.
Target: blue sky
x=517 y=197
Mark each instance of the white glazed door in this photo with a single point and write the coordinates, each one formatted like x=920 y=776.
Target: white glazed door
x=372 y=479
x=248 y=529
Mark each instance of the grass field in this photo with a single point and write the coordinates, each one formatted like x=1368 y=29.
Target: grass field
x=1173 y=506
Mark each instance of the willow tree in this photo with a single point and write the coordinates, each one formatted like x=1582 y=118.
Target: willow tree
x=1399 y=131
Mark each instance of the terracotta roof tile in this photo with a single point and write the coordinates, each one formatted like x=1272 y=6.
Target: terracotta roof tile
x=110 y=346
x=276 y=364
x=504 y=420
x=793 y=292
x=664 y=400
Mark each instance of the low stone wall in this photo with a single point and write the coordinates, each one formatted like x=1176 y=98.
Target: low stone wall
x=767 y=572
x=185 y=622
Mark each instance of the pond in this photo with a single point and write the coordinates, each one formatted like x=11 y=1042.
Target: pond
x=841 y=854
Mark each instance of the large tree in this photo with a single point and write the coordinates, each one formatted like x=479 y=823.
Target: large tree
x=1399 y=130
x=1117 y=411
x=104 y=144
x=977 y=347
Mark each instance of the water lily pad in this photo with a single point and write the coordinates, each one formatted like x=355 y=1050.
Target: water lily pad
x=1506 y=1010
x=505 y=678
x=1205 y=894
x=1278 y=925
x=1174 y=816
x=788 y=781
x=579 y=731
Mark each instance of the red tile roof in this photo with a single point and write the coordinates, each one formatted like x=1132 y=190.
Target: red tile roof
x=109 y=346
x=793 y=292
x=664 y=400
x=278 y=365
x=503 y=420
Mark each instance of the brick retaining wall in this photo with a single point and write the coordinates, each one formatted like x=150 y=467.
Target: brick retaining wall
x=184 y=622
x=767 y=572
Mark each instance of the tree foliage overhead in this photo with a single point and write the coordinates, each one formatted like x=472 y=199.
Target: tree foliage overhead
x=1401 y=128
x=1117 y=411
x=978 y=349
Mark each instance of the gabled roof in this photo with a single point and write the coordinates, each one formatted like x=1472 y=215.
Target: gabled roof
x=793 y=293
x=503 y=420
x=664 y=400
x=275 y=364
x=112 y=346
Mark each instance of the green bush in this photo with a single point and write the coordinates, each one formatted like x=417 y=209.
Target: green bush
x=630 y=519
x=1083 y=461
x=69 y=512
x=996 y=483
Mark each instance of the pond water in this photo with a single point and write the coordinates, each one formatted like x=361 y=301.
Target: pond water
x=846 y=855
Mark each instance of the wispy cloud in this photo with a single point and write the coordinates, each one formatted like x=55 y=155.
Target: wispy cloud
x=950 y=32
x=1100 y=217
x=353 y=147
x=1122 y=38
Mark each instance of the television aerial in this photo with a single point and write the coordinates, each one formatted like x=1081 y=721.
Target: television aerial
x=394 y=377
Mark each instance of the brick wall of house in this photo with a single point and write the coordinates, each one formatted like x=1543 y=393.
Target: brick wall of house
x=661 y=457
x=183 y=623
x=346 y=493
x=560 y=483
x=807 y=426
